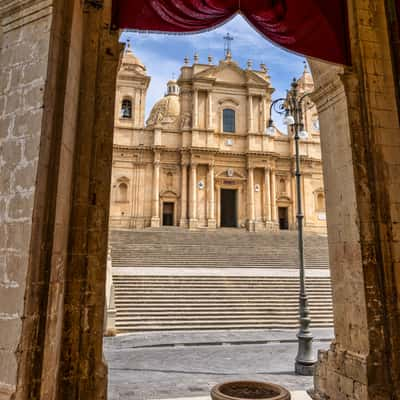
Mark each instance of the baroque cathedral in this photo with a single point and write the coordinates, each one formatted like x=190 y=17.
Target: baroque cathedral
x=203 y=158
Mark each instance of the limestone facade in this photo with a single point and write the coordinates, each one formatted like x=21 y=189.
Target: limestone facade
x=192 y=164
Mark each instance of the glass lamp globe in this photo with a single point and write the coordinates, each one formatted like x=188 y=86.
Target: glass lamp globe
x=288 y=120
x=270 y=131
x=303 y=134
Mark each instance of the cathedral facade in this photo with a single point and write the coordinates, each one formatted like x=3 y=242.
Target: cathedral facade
x=203 y=160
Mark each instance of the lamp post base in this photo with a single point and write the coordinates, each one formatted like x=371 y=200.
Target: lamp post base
x=304 y=369
x=305 y=362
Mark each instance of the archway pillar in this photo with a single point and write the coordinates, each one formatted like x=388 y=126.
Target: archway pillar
x=343 y=368
x=63 y=58
x=360 y=143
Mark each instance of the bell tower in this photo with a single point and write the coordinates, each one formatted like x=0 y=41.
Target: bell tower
x=132 y=85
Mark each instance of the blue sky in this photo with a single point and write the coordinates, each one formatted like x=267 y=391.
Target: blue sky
x=163 y=55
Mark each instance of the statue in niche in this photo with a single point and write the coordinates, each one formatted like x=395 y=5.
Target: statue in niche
x=186 y=121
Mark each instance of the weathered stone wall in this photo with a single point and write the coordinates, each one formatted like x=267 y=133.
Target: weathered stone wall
x=25 y=43
x=363 y=217
x=348 y=284
x=42 y=73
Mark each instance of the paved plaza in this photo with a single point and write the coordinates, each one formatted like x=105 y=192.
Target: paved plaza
x=168 y=365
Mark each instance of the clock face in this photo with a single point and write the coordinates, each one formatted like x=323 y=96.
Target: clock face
x=315 y=124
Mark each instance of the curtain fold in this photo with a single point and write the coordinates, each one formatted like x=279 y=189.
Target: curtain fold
x=314 y=28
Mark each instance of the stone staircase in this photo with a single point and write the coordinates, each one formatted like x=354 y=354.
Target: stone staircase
x=148 y=302
x=220 y=248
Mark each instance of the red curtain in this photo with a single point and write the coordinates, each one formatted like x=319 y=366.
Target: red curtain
x=314 y=28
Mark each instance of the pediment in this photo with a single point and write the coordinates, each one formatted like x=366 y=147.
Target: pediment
x=168 y=193
x=230 y=72
x=230 y=173
x=284 y=198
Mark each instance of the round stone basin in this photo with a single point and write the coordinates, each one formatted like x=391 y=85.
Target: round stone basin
x=249 y=390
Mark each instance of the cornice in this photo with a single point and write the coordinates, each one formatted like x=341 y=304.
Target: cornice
x=255 y=155
x=329 y=94
x=16 y=13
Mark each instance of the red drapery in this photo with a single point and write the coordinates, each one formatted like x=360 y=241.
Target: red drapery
x=315 y=28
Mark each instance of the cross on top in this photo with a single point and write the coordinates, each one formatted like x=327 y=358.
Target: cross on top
x=228 y=45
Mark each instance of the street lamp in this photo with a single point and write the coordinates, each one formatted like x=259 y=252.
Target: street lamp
x=291 y=108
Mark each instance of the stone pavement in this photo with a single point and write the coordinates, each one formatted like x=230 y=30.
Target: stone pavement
x=170 y=365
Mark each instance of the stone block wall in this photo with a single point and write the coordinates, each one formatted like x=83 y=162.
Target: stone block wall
x=24 y=55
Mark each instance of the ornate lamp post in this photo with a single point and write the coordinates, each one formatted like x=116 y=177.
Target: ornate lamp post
x=292 y=108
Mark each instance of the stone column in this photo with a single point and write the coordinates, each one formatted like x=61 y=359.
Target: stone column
x=264 y=114
x=250 y=113
x=211 y=197
x=273 y=196
x=250 y=200
x=195 y=110
x=193 y=196
x=184 y=195
x=155 y=217
x=267 y=180
x=209 y=110
x=141 y=108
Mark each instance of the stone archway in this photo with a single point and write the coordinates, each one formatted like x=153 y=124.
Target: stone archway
x=59 y=62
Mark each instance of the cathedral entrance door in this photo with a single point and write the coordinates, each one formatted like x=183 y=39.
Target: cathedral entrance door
x=283 y=218
x=168 y=214
x=228 y=208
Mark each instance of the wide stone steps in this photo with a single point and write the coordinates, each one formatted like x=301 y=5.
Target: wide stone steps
x=147 y=303
x=222 y=248
x=205 y=300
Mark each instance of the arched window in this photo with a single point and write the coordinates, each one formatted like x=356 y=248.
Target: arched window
x=228 y=120
x=320 y=202
x=122 y=192
x=126 y=109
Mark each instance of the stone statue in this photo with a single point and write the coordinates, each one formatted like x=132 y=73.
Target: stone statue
x=186 y=121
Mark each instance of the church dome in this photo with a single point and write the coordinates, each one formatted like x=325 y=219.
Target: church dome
x=167 y=110
x=129 y=60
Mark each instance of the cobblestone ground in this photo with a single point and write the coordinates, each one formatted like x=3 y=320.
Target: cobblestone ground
x=162 y=365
